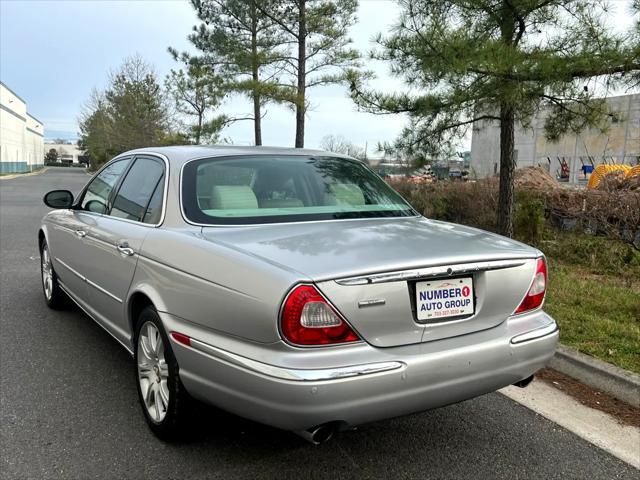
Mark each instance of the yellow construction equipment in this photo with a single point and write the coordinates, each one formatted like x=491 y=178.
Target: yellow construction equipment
x=633 y=172
x=602 y=170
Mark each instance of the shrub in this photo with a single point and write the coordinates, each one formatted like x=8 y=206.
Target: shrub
x=56 y=164
x=615 y=215
x=467 y=203
x=612 y=214
x=529 y=218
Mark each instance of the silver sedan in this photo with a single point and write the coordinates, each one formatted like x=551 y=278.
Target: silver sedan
x=291 y=287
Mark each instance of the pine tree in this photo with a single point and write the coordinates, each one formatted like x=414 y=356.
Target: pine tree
x=137 y=106
x=244 y=47
x=196 y=91
x=130 y=113
x=319 y=32
x=501 y=61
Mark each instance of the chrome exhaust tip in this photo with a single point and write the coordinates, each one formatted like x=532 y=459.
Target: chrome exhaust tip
x=524 y=382
x=317 y=435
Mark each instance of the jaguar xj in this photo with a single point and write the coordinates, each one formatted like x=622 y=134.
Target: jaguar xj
x=291 y=287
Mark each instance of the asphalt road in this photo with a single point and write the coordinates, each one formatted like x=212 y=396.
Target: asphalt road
x=69 y=407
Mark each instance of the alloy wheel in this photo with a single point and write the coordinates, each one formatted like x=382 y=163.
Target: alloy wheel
x=153 y=372
x=47 y=273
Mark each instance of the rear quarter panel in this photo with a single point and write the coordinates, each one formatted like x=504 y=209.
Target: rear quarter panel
x=212 y=286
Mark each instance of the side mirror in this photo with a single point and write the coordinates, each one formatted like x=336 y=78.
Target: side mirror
x=58 y=199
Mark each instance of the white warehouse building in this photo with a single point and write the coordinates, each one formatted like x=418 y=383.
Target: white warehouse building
x=67 y=152
x=573 y=156
x=21 y=135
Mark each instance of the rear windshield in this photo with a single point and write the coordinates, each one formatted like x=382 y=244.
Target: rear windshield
x=269 y=189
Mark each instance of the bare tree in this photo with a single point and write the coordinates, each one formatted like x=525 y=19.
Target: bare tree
x=339 y=144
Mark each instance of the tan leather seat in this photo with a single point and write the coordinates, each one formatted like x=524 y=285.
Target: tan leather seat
x=344 y=194
x=281 y=203
x=230 y=197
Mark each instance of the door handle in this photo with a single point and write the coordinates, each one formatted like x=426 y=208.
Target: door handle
x=125 y=249
x=81 y=233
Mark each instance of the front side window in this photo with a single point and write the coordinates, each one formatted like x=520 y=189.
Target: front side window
x=96 y=197
x=287 y=188
x=138 y=189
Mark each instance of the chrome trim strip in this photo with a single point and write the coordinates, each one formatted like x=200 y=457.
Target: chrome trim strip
x=444 y=270
x=66 y=290
x=75 y=272
x=98 y=287
x=535 y=334
x=85 y=279
x=371 y=303
x=293 y=374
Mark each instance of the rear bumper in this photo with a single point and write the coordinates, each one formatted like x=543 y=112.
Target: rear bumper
x=296 y=389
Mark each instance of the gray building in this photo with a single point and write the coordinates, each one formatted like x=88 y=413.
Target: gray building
x=563 y=159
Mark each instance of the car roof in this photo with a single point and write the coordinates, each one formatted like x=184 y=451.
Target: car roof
x=178 y=155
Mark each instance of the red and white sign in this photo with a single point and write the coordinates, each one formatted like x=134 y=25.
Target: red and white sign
x=441 y=299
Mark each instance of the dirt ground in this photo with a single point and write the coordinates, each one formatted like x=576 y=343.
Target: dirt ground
x=626 y=414
x=535 y=178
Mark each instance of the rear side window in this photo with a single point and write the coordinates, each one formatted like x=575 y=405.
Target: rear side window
x=141 y=189
x=96 y=197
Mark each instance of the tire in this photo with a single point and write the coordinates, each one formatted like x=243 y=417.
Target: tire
x=163 y=398
x=54 y=297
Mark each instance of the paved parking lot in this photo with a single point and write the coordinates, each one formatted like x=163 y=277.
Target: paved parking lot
x=69 y=407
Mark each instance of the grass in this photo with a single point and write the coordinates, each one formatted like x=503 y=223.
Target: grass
x=597 y=314
x=594 y=294
x=596 y=255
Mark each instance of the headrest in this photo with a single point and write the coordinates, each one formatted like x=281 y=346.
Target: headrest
x=228 y=197
x=345 y=194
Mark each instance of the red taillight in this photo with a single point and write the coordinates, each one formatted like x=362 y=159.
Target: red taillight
x=308 y=319
x=537 y=290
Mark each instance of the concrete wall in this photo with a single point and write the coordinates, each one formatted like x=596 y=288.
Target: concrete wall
x=620 y=145
x=21 y=135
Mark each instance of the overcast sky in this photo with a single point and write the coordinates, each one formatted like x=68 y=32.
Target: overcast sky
x=54 y=52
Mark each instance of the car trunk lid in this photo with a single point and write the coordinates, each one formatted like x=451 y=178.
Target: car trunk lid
x=326 y=250
x=384 y=309
x=369 y=268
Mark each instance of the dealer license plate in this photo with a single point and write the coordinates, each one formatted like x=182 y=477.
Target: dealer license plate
x=441 y=299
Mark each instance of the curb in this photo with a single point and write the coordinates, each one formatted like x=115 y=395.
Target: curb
x=622 y=384
x=21 y=175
